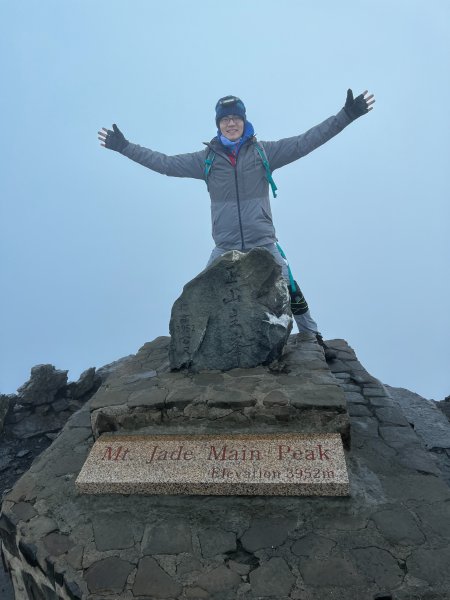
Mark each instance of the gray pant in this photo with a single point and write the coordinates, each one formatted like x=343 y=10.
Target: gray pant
x=305 y=322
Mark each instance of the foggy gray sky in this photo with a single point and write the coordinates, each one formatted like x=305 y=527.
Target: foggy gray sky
x=95 y=249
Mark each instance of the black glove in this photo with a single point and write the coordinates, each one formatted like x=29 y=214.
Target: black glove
x=115 y=140
x=355 y=107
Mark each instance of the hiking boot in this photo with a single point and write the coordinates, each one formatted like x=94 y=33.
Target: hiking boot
x=329 y=353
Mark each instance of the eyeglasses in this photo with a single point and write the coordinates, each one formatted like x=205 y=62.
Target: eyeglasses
x=234 y=118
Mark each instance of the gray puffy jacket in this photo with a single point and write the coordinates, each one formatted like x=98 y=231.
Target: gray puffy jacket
x=240 y=206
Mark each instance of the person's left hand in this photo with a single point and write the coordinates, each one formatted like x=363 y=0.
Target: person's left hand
x=113 y=140
x=359 y=106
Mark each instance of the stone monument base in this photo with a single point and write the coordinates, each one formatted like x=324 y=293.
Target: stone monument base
x=295 y=394
x=387 y=539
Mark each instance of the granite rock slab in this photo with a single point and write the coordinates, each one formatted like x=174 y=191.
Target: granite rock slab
x=272 y=464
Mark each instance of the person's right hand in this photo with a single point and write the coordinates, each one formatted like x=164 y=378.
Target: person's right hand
x=113 y=140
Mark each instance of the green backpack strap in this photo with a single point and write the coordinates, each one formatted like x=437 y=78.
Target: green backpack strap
x=291 y=278
x=212 y=155
x=265 y=162
x=209 y=163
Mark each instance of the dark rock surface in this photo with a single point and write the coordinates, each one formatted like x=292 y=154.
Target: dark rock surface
x=424 y=416
x=236 y=313
x=43 y=386
x=31 y=420
x=430 y=424
x=5 y=401
x=389 y=539
x=87 y=381
x=296 y=393
x=36 y=414
x=272 y=579
x=444 y=406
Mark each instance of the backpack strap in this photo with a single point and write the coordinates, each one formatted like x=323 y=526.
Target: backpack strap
x=291 y=278
x=209 y=163
x=265 y=162
x=212 y=155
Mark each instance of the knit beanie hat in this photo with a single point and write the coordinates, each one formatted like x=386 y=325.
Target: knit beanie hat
x=229 y=105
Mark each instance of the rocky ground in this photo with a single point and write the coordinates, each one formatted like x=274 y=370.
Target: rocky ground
x=385 y=538
x=30 y=421
x=34 y=416
x=444 y=406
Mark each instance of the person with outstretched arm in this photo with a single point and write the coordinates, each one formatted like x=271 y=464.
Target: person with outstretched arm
x=237 y=169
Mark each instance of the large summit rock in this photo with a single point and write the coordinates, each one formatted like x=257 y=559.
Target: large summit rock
x=235 y=313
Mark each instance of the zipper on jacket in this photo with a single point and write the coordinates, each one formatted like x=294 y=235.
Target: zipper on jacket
x=217 y=151
x=239 y=205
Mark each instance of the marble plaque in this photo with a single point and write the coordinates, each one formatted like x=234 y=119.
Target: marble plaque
x=240 y=464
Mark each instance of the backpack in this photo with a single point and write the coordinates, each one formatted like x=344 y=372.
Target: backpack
x=212 y=155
